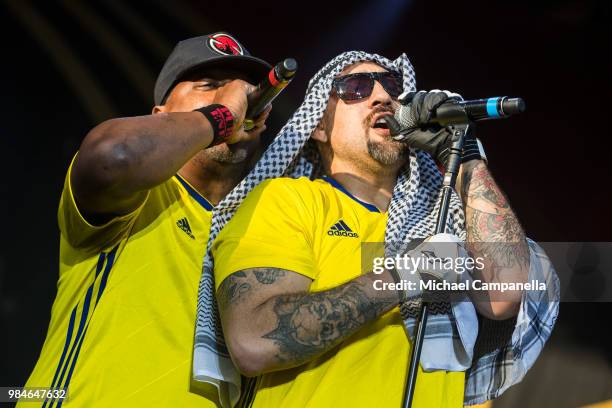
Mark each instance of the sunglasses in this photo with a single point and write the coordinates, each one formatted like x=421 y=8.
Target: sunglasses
x=357 y=86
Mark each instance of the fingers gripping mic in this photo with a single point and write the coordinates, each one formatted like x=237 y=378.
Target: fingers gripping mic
x=268 y=89
x=454 y=112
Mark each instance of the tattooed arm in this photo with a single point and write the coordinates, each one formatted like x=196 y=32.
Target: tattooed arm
x=271 y=322
x=493 y=233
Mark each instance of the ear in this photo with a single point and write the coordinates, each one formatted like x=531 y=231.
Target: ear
x=158 y=109
x=320 y=133
x=325 y=125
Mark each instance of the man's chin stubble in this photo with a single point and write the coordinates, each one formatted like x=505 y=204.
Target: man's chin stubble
x=224 y=155
x=388 y=152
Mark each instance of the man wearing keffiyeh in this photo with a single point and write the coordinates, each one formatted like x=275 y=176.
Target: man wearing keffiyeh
x=296 y=309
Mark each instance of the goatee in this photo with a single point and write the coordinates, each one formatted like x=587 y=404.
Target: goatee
x=388 y=152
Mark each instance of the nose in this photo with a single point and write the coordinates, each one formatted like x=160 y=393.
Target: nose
x=379 y=96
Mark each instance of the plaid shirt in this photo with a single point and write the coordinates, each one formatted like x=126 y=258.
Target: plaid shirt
x=494 y=372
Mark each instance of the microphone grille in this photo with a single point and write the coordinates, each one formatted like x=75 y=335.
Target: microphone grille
x=403 y=116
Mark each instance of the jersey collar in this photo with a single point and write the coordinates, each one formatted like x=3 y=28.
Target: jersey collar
x=194 y=194
x=369 y=207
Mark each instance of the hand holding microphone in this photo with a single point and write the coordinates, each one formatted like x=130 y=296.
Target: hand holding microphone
x=423 y=118
x=250 y=105
x=412 y=123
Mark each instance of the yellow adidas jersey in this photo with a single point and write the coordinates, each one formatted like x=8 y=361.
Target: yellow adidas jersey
x=316 y=228
x=122 y=323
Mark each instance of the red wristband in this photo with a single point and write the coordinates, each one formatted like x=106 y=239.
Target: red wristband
x=221 y=120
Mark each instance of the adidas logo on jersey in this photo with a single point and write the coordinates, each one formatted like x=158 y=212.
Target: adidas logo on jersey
x=183 y=224
x=340 y=229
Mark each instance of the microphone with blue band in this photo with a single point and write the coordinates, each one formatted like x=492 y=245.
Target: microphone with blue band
x=458 y=112
x=455 y=112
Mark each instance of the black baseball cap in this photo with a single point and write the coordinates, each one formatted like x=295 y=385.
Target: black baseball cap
x=213 y=50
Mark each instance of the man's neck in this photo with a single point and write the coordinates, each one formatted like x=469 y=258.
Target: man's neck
x=214 y=180
x=374 y=186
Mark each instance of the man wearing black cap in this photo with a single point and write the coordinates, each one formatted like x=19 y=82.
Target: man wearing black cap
x=134 y=218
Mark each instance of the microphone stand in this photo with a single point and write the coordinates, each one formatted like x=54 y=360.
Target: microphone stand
x=450 y=177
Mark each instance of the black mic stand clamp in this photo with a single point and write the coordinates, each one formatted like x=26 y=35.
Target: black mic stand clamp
x=458 y=133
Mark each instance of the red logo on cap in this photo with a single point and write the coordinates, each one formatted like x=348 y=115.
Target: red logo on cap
x=224 y=44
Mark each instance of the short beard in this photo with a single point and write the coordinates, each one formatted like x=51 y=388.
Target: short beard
x=388 y=152
x=224 y=155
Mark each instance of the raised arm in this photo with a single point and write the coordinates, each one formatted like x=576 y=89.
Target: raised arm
x=120 y=159
x=271 y=322
x=495 y=234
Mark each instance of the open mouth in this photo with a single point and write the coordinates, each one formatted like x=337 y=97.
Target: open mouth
x=380 y=123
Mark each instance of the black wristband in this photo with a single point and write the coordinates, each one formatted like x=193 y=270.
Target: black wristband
x=470 y=150
x=221 y=120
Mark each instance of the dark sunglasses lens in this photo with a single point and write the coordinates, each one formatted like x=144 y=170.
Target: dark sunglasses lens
x=392 y=84
x=354 y=87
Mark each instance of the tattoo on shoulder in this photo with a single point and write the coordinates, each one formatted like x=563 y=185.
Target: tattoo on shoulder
x=268 y=276
x=232 y=288
x=238 y=285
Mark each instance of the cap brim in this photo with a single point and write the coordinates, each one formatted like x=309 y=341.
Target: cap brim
x=253 y=68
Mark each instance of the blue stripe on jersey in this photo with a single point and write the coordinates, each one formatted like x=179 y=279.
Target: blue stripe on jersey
x=83 y=325
x=109 y=265
x=61 y=362
x=339 y=186
x=54 y=384
x=100 y=264
x=196 y=196
x=77 y=338
x=78 y=350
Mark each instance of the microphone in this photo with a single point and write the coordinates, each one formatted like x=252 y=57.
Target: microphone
x=268 y=89
x=454 y=112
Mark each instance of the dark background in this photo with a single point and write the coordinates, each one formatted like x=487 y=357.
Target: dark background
x=69 y=65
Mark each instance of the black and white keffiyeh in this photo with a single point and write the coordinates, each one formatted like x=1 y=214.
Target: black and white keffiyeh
x=411 y=214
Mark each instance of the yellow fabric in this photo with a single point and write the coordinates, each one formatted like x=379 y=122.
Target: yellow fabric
x=602 y=404
x=284 y=223
x=130 y=287
x=488 y=404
